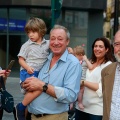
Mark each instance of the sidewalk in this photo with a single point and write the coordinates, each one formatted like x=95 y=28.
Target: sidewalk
x=13 y=87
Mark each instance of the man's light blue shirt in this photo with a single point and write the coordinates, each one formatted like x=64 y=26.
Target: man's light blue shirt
x=65 y=77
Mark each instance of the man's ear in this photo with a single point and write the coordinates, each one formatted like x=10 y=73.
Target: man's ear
x=68 y=42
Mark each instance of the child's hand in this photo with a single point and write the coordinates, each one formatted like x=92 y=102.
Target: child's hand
x=85 y=57
x=30 y=70
x=70 y=50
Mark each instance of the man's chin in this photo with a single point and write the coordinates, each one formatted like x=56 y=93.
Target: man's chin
x=56 y=51
x=117 y=58
x=57 y=54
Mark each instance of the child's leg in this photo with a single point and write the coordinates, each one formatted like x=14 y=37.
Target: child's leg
x=21 y=108
x=71 y=106
x=80 y=97
x=30 y=96
x=80 y=94
x=24 y=74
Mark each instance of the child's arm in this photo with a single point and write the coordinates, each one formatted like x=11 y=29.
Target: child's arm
x=30 y=96
x=70 y=50
x=22 y=62
x=90 y=66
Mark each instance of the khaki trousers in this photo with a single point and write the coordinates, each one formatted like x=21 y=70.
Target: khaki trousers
x=61 y=116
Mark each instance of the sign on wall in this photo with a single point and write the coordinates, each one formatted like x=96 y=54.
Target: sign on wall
x=14 y=25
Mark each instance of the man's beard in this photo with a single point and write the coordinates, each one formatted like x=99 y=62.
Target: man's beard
x=117 y=56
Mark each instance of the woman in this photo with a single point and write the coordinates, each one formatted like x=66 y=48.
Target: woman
x=4 y=74
x=92 y=98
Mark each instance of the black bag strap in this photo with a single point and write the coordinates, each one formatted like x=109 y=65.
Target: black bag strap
x=2 y=83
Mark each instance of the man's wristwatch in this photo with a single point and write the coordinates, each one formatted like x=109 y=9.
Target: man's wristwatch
x=45 y=87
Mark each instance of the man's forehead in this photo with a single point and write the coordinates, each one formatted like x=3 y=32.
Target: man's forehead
x=117 y=36
x=58 y=32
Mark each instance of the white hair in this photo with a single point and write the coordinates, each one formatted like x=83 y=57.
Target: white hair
x=61 y=27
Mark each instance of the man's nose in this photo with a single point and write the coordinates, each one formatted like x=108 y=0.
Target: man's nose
x=56 y=41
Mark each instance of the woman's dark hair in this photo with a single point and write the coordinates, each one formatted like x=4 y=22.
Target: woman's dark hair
x=108 y=55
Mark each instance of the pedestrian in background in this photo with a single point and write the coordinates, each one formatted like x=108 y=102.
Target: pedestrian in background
x=111 y=85
x=58 y=80
x=92 y=97
x=79 y=52
x=4 y=74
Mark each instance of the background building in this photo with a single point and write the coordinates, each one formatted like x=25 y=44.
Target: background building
x=83 y=18
x=111 y=18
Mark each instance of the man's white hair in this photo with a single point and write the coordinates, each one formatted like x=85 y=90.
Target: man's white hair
x=61 y=27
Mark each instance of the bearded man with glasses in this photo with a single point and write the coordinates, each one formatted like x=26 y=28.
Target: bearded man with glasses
x=111 y=84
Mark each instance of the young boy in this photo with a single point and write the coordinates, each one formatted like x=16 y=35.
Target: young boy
x=80 y=54
x=32 y=56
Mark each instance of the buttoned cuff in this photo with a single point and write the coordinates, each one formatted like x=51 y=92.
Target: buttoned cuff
x=99 y=91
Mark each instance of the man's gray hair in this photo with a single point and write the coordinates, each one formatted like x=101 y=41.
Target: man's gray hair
x=117 y=34
x=61 y=27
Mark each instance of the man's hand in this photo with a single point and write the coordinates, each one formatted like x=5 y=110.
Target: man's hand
x=33 y=84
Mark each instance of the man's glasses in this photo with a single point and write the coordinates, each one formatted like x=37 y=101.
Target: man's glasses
x=116 y=44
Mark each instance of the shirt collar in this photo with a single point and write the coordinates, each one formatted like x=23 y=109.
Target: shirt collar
x=31 y=42
x=118 y=66
x=62 y=58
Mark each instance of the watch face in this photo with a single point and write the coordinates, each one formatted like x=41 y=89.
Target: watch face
x=45 y=87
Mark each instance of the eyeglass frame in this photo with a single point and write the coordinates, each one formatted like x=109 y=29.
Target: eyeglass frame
x=116 y=44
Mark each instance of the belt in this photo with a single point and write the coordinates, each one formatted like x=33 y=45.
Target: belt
x=40 y=115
